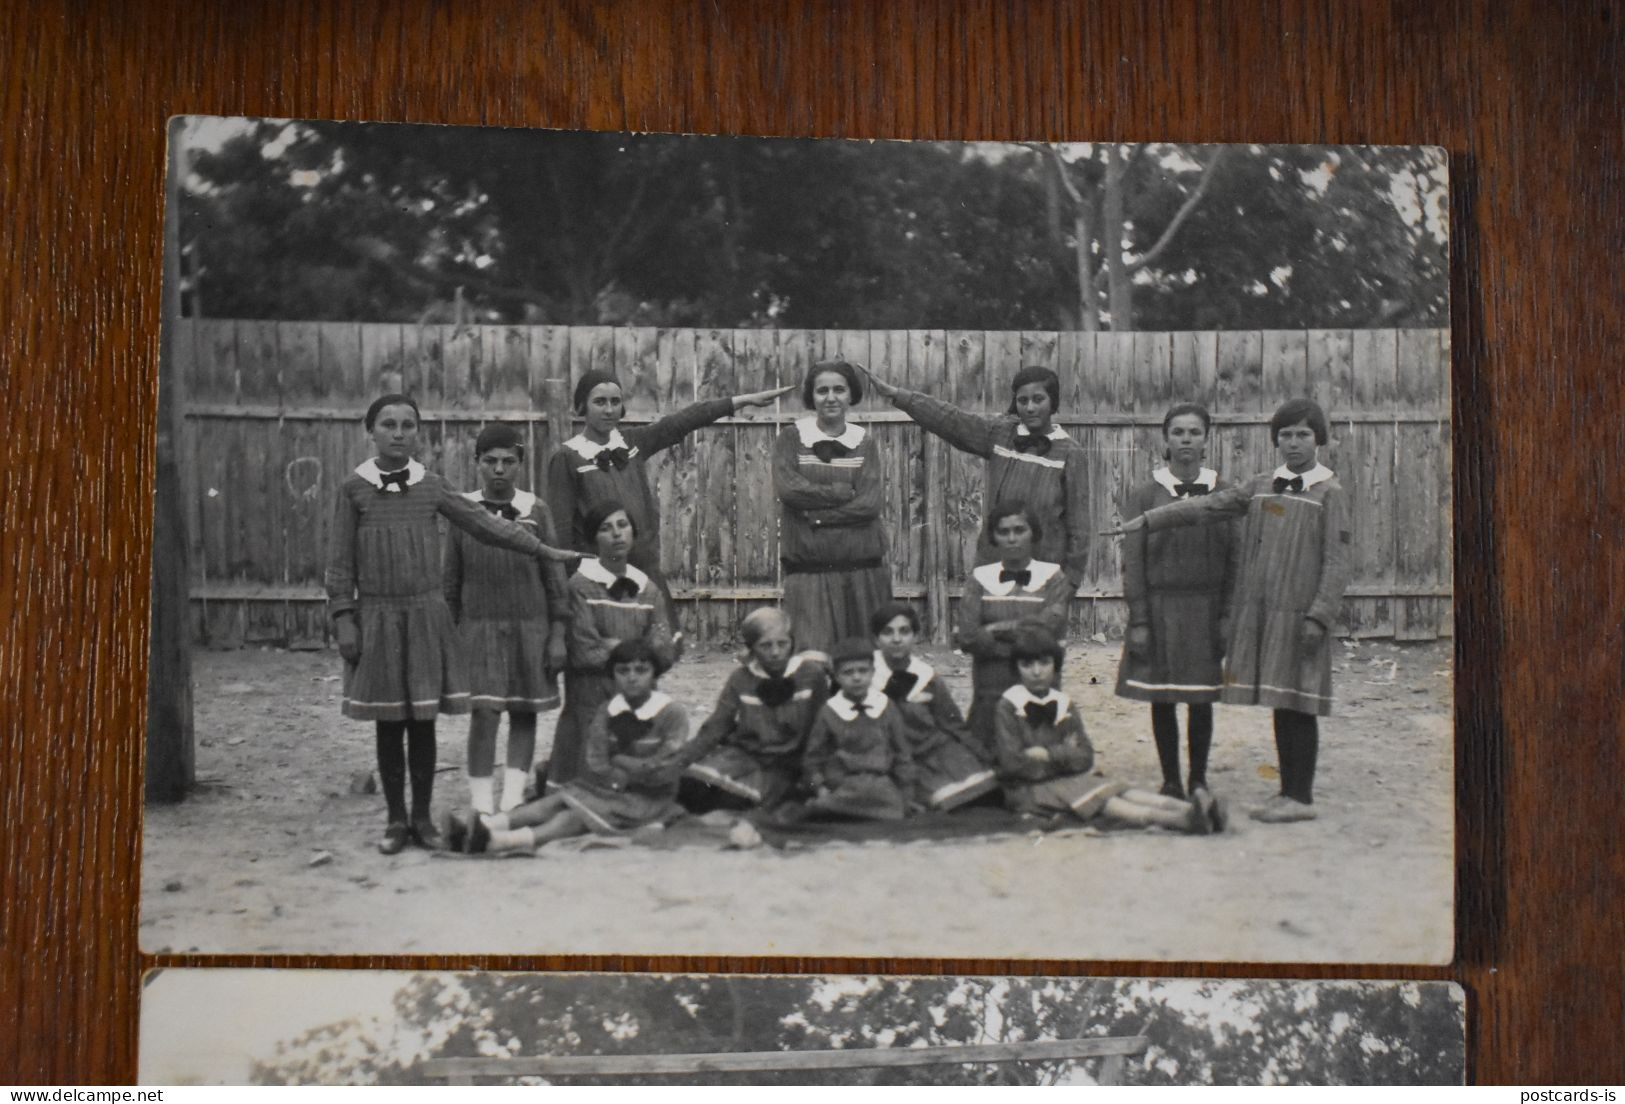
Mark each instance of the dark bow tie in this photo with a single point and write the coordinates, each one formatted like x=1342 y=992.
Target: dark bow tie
x=1183 y=489
x=616 y=458
x=776 y=690
x=500 y=509
x=622 y=589
x=396 y=477
x=1032 y=442
x=830 y=450
x=1044 y=714
x=860 y=707
x=1020 y=578
x=900 y=683
x=1293 y=484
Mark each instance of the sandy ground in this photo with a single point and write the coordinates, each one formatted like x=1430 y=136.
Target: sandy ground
x=272 y=853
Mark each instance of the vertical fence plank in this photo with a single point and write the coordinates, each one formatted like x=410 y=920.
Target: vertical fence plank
x=673 y=472
x=1368 y=471
x=1070 y=355
x=507 y=360
x=183 y=348
x=214 y=369
x=928 y=373
x=756 y=368
x=549 y=362
x=1003 y=360
x=1416 y=487
x=383 y=359
x=907 y=438
x=259 y=365
x=637 y=351
x=967 y=371
x=714 y=564
x=426 y=345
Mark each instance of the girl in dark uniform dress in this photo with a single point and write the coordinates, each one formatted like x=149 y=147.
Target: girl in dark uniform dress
x=858 y=764
x=999 y=598
x=1177 y=584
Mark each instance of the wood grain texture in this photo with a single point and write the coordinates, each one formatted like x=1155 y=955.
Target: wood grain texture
x=1525 y=95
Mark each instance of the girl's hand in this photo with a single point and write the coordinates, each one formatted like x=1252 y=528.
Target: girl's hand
x=761 y=398
x=349 y=634
x=1132 y=525
x=557 y=555
x=881 y=387
x=1039 y=753
x=1138 y=641
x=1311 y=634
x=558 y=651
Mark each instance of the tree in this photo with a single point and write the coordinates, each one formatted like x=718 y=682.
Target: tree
x=1201 y=1032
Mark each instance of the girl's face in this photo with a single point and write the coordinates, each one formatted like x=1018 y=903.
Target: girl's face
x=635 y=681
x=614 y=536
x=394 y=435
x=1037 y=675
x=896 y=639
x=1013 y=537
x=1186 y=438
x=772 y=650
x=853 y=677
x=498 y=469
x=1296 y=444
x=1033 y=407
x=831 y=397
x=604 y=408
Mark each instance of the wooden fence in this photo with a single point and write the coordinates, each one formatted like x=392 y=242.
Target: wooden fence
x=272 y=425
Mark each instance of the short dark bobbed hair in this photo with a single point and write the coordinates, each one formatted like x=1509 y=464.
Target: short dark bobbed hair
x=889 y=612
x=382 y=401
x=602 y=512
x=1294 y=411
x=1179 y=410
x=633 y=650
x=848 y=372
x=1034 y=641
x=1009 y=508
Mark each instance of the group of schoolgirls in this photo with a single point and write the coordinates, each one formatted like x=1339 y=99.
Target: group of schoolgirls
x=491 y=625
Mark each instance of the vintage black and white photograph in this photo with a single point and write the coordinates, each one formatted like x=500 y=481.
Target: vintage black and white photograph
x=311 y=1027
x=579 y=542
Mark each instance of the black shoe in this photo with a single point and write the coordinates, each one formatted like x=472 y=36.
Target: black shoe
x=425 y=834
x=394 y=840
x=455 y=832
x=479 y=836
x=1173 y=789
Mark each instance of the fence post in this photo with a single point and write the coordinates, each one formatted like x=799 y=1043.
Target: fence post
x=558 y=411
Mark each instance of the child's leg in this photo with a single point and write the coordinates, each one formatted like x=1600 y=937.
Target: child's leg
x=527 y=815
x=482 y=755
x=420 y=764
x=521 y=754
x=1165 y=730
x=1126 y=808
x=1297 y=745
x=392 y=768
x=561 y=825
x=1199 y=728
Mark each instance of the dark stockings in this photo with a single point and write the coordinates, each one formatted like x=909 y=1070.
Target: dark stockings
x=395 y=761
x=1297 y=745
x=1165 y=730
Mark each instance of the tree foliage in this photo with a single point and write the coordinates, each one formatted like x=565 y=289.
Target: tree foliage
x=1212 y=1032
x=342 y=221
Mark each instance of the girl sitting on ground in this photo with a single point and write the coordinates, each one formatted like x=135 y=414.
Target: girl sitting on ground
x=948 y=767
x=857 y=763
x=749 y=748
x=637 y=747
x=1045 y=757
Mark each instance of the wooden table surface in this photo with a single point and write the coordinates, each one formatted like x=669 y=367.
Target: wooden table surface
x=1525 y=95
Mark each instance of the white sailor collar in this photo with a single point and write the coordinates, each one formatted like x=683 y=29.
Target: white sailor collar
x=1317 y=474
x=988 y=576
x=1207 y=477
x=758 y=671
x=648 y=711
x=1021 y=697
x=875 y=700
x=589 y=450
x=523 y=501
x=807 y=429
x=1056 y=433
x=598 y=573
x=922 y=671
x=369 y=470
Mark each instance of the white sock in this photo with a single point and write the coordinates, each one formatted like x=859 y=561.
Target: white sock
x=481 y=793
x=512 y=839
x=496 y=822
x=514 y=782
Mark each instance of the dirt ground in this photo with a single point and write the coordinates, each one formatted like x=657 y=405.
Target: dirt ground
x=272 y=853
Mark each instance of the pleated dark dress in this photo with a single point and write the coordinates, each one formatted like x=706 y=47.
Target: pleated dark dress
x=1062 y=782
x=634 y=759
